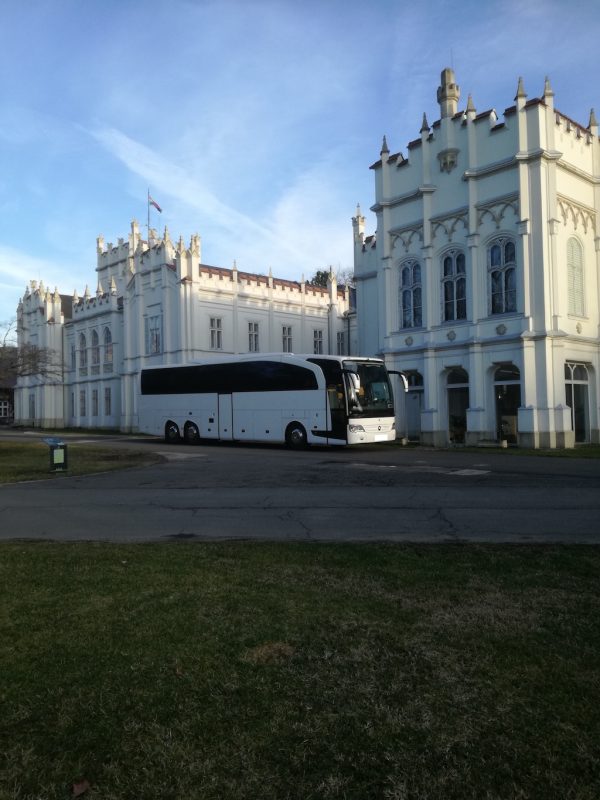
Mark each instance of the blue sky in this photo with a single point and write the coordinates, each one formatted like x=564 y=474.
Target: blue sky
x=253 y=122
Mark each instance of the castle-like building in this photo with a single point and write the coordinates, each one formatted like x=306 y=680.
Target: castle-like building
x=155 y=303
x=482 y=280
x=481 y=284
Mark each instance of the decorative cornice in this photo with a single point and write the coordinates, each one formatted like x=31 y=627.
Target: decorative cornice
x=535 y=155
x=414 y=194
x=489 y=169
x=365 y=276
x=595 y=181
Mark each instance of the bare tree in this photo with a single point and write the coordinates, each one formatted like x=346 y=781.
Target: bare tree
x=25 y=360
x=345 y=277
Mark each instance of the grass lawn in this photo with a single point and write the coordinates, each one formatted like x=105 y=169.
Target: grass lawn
x=31 y=460
x=272 y=671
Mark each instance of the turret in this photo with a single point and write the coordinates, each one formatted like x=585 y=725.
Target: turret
x=358 y=227
x=448 y=94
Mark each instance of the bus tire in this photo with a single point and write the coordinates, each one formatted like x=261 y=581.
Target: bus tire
x=191 y=434
x=295 y=436
x=172 y=435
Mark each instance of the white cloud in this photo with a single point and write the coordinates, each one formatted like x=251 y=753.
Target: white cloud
x=18 y=268
x=167 y=178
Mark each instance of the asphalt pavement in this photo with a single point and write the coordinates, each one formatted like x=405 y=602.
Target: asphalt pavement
x=373 y=493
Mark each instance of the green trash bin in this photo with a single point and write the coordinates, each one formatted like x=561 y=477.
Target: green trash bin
x=58 y=454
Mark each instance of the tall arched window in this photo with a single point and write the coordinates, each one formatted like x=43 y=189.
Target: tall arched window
x=503 y=279
x=575 y=277
x=411 y=302
x=454 y=286
x=82 y=352
x=95 y=351
x=108 y=350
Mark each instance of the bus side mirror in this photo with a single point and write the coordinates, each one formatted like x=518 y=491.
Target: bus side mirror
x=354 y=379
x=402 y=377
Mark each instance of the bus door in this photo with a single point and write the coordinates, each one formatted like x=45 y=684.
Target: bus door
x=225 y=417
x=337 y=410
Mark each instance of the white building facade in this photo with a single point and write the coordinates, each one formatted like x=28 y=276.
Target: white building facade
x=481 y=282
x=156 y=303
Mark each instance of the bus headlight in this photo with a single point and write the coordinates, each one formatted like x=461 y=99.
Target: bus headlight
x=356 y=429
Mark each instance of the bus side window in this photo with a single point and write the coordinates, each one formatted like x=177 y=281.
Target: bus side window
x=335 y=399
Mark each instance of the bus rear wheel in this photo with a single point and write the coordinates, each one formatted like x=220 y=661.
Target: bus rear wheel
x=191 y=434
x=295 y=436
x=171 y=433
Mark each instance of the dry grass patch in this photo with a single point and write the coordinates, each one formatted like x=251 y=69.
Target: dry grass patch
x=31 y=461
x=269 y=653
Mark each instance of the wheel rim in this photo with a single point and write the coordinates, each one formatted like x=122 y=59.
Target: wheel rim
x=172 y=432
x=297 y=437
x=192 y=433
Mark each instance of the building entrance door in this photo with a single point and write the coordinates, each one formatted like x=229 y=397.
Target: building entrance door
x=413 y=402
x=507 y=387
x=458 y=403
x=576 y=390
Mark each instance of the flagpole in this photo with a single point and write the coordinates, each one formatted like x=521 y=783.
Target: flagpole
x=148 y=209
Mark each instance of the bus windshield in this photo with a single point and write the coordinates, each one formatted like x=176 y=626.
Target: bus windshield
x=368 y=388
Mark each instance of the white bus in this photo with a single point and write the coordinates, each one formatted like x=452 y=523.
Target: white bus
x=279 y=397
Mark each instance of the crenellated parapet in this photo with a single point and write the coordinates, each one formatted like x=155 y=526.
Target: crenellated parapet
x=44 y=305
x=493 y=134
x=118 y=263
x=104 y=299
x=220 y=280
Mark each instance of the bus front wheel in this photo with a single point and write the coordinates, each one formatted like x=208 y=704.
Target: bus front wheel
x=171 y=433
x=191 y=434
x=295 y=436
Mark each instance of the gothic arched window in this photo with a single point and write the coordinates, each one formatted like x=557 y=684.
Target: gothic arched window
x=108 y=347
x=503 y=278
x=411 y=301
x=82 y=351
x=454 y=286
x=95 y=348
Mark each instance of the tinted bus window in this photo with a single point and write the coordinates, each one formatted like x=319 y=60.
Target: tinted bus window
x=248 y=376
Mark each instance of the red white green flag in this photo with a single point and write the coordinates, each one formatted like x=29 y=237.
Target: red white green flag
x=155 y=204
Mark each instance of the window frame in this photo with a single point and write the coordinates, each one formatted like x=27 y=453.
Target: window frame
x=216 y=333
x=287 y=339
x=153 y=324
x=317 y=342
x=253 y=337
